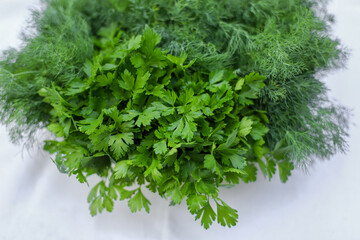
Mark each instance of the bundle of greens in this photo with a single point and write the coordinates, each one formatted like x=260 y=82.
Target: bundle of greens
x=181 y=97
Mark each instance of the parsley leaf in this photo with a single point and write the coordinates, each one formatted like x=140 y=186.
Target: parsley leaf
x=207 y=215
x=226 y=216
x=138 y=201
x=119 y=143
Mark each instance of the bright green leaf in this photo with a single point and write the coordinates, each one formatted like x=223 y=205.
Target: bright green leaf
x=121 y=168
x=207 y=215
x=245 y=126
x=226 y=216
x=138 y=202
x=160 y=147
x=210 y=162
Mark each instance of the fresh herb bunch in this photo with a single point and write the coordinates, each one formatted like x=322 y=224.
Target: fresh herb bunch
x=141 y=118
x=288 y=42
x=175 y=106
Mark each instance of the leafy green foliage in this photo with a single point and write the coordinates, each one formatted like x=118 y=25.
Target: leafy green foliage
x=288 y=42
x=175 y=107
x=155 y=123
x=285 y=41
x=54 y=55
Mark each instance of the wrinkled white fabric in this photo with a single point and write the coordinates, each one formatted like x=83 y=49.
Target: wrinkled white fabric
x=38 y=202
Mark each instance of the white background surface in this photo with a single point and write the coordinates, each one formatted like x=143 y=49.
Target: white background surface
x=37 y=202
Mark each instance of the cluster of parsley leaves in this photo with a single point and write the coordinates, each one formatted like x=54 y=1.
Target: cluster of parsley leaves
x=142 y=119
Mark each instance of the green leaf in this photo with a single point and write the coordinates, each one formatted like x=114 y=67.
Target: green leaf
x=207 y=215
x=112 y=192
x=147 y=116
x=109 y=66
x=150 y=40
x=245 y=127
x=206 y=187
x=195 y=202
x=96 y=206
x=99 y=139
x=252 y=77
x=231 y=138
x=125 y=194
x=169 y=97
x=216 y=77
x=108 y=203
x=210 y=162
x=57 y=129
x=250 y=176
x=87 y=68
x=113 y=113
x=137 y=61
x=238 y=161
x=239 y=84
x=89 y=125
x=76 y=86
x=258 y=148
x=119 y=143
x=160 y=147
x=128 y=80
x=285 y=168
x=176 y=195
x=188 y=131
x=131 y=114
x=164 y=110
x=121 y=168
x=138 y=202
x=134 y=43
x=178 y=126
x=153 y=169
x=93 y=193
x=271 y=168
x=234 y=170
x=178 y=61
x=262 y=166
x=140 y=159
x=141 y=80
x=80 y=176
x=226 y=216
x=53 y=97
x=104 y=80
x=258 y=131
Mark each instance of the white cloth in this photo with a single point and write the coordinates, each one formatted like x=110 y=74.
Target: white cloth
x=38 y=202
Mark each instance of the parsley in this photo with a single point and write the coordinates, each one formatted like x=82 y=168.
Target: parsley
x=180 y=109
x=183 y=140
